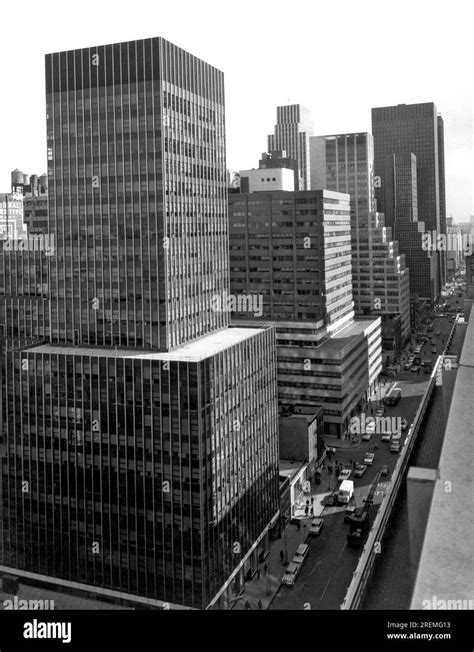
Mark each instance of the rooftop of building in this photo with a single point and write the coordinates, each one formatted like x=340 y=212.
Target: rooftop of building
x=308 y=416
x=290 y=468
x=346 y=337
x=195 y=351
x=446 y=570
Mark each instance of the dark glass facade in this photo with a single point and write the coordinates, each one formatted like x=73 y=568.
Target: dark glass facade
x=141 y=441
x=137 y=195
x=415 y=128
x=141 y=473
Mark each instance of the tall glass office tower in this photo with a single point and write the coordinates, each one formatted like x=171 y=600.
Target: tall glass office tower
x=141 y=453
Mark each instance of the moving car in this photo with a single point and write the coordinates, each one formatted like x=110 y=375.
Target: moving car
x=386 y=436
x=367 y=436
x=404 y=424
x=385 y=470
x=316 y=526
x=380 y=412
x=369 y=458
x=395 y=447
x=330 y=449
x=345 y=474
x=360 y=469
x=407 y=365
x=415 y=368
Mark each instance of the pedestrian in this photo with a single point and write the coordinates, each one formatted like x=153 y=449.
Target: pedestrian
x=260 y=605
x=311 y=511
x=282 y=556
x=265 y=568
x=298 y=525
x=376 y=448
x=247 y=604
x=306 y=510
x=258 y=573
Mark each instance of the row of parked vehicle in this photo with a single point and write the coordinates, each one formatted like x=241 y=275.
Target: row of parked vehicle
x=295 y=565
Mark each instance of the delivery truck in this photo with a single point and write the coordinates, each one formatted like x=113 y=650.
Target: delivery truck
x=346 y=491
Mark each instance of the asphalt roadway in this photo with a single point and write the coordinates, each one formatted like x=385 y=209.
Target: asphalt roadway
x=327 y=571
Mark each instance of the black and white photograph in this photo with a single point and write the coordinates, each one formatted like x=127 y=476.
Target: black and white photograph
x=236 y=324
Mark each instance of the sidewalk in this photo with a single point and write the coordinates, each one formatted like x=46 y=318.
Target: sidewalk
x=266 y=586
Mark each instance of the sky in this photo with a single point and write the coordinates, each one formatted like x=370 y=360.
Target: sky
x=339 y=58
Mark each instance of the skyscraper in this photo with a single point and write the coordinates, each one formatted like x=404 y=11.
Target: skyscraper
x=292 y=133
x=415 y=128
x=147 y=428
x=401 y=205
x=345 y=163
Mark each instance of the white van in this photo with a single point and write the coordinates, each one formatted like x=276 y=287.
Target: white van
x=346 y=491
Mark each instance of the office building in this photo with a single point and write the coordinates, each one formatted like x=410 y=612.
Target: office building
x=402 y=212
x=145 y=429
x=292 y=132
x=345 y=163
x=290 y=259
x=11 y=215
x=415 y=128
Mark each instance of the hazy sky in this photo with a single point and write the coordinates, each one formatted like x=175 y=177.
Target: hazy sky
x=339 y=58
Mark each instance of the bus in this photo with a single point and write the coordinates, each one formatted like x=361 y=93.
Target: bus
x=394 y=396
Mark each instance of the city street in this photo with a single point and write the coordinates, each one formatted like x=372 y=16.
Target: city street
x=327 y=571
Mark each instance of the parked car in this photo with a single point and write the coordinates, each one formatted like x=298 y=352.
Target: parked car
x=360 y=469
x=330 y=449
x=415 y=368
x=344 y=475
x=407 y=366
x=301 y=553
x=316 y=526
x=367 y=436
x=369 y=458
x=380 y=412
x=291 y=573
x=385 y=470
x=395 y=447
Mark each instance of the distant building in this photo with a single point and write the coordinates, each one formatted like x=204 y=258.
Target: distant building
x=292 y=132
x=401 y=212
x=264 y=180
x=345 y=163
x=416 y=128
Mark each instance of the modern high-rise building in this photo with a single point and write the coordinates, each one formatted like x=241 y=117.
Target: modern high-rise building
x=290 y=266
x=401 y=206
x=292 y=132
x=141 y=441
x=416 y=128
x=380 y=278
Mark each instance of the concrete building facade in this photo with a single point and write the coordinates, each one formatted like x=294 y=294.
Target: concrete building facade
x=345 y=163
